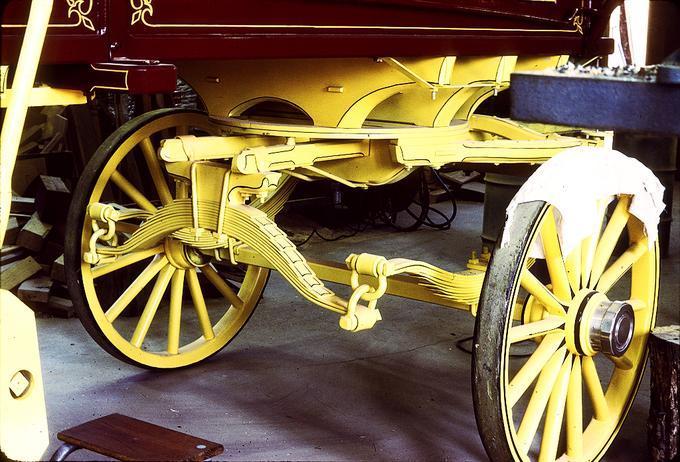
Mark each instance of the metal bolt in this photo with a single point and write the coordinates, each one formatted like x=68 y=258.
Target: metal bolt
x=19 y=384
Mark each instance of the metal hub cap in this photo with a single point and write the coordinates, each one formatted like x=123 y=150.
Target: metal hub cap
x=611 y=328
x=597 y=324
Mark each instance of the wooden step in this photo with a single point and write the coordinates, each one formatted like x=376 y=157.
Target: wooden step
x=124 y=438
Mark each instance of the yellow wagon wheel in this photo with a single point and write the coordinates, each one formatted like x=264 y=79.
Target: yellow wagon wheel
x=191 y=310
x=561 y=343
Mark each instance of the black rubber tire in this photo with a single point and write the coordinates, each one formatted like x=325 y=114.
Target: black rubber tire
x=76 y=218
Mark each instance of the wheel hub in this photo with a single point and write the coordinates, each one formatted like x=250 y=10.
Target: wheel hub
x=596 y=324
x=182 y=256
x=612 y=327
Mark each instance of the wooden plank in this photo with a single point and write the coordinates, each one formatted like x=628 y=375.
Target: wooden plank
x=17 y=272
x=35 y=290
x=6 y=249
x=125 y=438
x=52 y=199
x=12 y=231
x=57 y=273
x=23 y=205
x=60 y=307
x=33 y=234
x=11 y=253
x=51 y=250
x=22 y=218
x=84 y=132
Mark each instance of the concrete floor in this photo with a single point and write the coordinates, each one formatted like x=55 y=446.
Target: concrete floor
x=293 y=386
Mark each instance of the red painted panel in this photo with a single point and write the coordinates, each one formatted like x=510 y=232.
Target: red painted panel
x=86 y=31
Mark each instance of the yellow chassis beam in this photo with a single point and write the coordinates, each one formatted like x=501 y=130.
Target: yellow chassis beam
x=400 y=285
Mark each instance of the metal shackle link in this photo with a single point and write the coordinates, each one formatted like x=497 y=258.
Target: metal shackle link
x=368 y=265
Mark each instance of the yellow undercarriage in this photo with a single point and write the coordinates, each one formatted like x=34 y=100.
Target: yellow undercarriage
x=379 y=121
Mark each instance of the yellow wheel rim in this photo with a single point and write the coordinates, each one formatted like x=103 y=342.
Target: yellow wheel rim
x=179 y=325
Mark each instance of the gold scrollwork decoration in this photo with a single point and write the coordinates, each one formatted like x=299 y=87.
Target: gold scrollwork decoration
x=577 y=20
x=141 y=9
x=77 y=7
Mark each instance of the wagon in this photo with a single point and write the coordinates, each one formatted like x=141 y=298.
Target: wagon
x=172 y=235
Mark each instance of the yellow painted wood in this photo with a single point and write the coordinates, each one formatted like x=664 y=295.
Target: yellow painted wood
x=199 y=305
x=594 y=387
x=624 y=363
x=338 y=273
x=539 y=399
x=555 y=414
x=45 y=95
x=609 y=238
x=574 y=427
x=156 y=171
x=536 y=288
x=222 y=286
x=535 y=329
x=533 y=367
x=136 y=287
x=124 y=261
x=132 y=192
x=572 y=264
x=589 y=246
x=554 y=259
x=622 y=264
x=23 y=420
x=175 y=313
x=152 y=305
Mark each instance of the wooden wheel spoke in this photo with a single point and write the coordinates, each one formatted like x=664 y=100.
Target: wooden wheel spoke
x=575 y=412
x=136 y=287
x=535 y=329
x=638 y=305
x=539 y=399
x=124 y=261
x=536 y=288
x=151 y=306
x=553 y=257
x=156 y=171
x=594 y=387
x=117 y=174
x=175 y=314
x=621 y=265
x=199 y=305
x=588 y=247
x=219 y=283
x=533 y=367
x=622 y=362
x=573 y=266
x=555 y=414
x=553 y=405
x=132 y=192
x=610 y=237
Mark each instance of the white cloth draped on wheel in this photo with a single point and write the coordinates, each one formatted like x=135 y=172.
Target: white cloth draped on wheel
x=580 y=182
